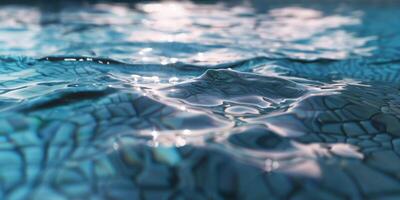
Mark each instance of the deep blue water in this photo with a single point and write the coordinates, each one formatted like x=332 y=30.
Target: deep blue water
x=212 y=100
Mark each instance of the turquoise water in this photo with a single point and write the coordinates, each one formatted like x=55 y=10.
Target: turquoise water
x=212 y=100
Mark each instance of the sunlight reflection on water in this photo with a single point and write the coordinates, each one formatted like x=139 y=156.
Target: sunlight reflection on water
x=188 y=100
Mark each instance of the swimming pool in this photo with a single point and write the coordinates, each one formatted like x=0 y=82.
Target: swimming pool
x=200 y=100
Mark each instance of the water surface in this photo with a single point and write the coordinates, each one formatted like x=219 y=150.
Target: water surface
x=183 y=100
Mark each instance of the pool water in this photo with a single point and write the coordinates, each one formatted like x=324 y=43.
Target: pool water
x=206 y=100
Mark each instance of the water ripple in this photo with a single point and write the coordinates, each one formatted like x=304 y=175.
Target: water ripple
x=184 y=100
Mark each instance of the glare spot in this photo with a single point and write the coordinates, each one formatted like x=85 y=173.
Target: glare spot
x=200 y=57
x=135 y=77
x=164 y=62
x=155 y=79
x=115 y=146
x=173 y=79
x=183 y=108
x=154 y=133
x=146 y=59
x=187 y=132
x=173 y=60
x=144 y=51
x=271 y=165
x=179 y=142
